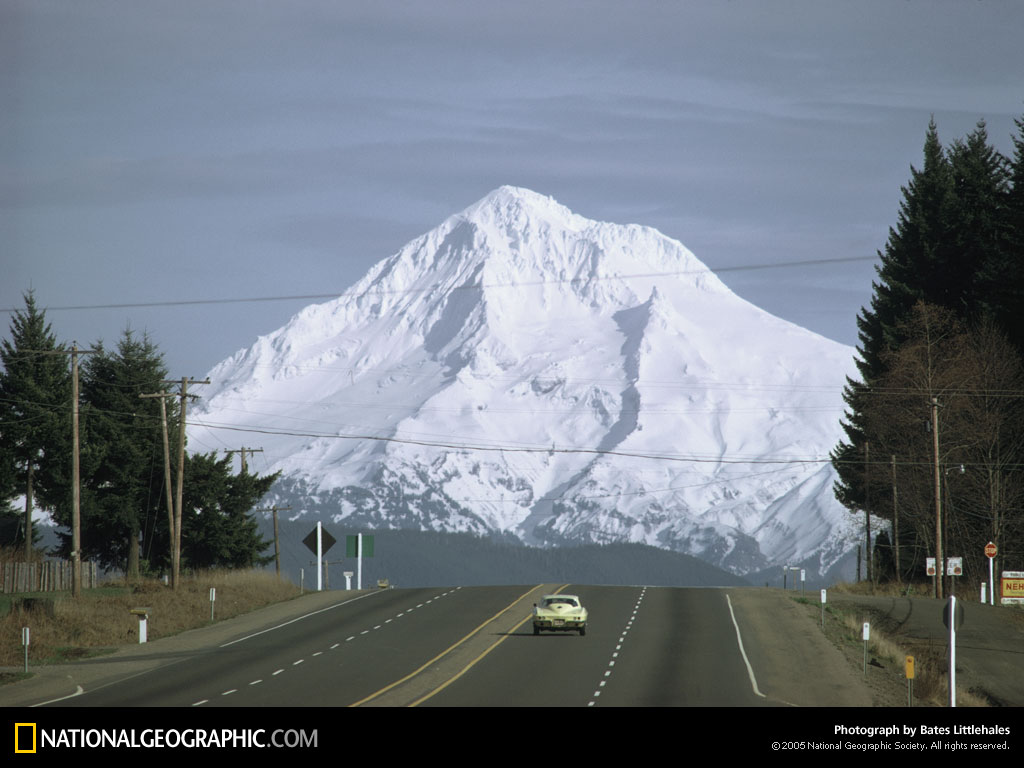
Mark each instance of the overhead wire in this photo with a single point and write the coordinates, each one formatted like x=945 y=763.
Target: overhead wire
x=435 y=286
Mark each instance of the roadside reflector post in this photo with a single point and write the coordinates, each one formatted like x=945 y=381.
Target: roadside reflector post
x=143 y=614
x=910 y=681
x=823 y=600
x=24 y=642
x=867 y=636
x=348 y=580
x=953 y=618
x=213 y=599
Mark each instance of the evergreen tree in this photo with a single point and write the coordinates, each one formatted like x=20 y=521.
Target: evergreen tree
x=973 y=277
x=122 y=452
x=911 y=270
x=35 y=417
x=218 y=529
x=1002 y=281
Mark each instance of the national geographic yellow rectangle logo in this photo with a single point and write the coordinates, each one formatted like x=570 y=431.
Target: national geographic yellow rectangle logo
x=25 y=738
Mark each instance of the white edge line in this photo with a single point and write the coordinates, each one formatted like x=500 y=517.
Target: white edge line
x=739 y=639
x=80 y=690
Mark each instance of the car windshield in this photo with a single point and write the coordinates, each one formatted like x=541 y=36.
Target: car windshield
x=560 y=601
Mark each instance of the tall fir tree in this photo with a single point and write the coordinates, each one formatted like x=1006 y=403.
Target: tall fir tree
x=35 y=417
x=910 y=271
x=218 y=527
x=972 y=285
x=122 y=453
x=1002 y=280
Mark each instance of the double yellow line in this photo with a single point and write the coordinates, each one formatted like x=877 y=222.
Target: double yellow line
x=451 y=648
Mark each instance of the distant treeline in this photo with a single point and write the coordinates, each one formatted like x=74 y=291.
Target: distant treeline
x=426 y=558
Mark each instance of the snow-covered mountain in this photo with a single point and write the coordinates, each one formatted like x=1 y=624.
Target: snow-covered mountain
x=523 y=370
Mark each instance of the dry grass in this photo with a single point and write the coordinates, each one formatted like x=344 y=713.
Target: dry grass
x=63 y=628
x=887 y=658
x=883 y=589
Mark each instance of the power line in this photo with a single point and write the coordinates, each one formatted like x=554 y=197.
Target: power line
x=435 y=286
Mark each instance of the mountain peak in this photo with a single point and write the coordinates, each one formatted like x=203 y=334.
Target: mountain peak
x=513 y=208
x=520 y=325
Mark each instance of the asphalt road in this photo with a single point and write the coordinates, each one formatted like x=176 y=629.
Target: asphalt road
x=474 y=646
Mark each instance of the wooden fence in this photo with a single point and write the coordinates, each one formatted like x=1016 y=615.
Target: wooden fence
x=48 y=576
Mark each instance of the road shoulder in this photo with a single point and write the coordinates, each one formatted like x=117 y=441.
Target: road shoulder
x=794 y=663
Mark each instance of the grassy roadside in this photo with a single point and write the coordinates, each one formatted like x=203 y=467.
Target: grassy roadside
x=886 y=658
x=64 y=629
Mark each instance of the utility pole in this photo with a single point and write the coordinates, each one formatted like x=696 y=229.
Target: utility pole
x=243 y=450
x=76 y=494
x=277 y=546
x=183 y=394
x=167 y=480
x=867 y=511
x=939 y=569
x=896 y=523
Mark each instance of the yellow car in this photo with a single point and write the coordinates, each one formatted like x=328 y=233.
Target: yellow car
x=559 y=613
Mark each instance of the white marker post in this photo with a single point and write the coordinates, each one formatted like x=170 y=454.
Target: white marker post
x=823 y=598
x=867 y=636
x=319 y=558
x=24 y=642
x=952 y=651
x=359 y=561
x=213 y=599
x=143 y=614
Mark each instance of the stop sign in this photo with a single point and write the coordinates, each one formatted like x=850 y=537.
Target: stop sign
x=990 y=550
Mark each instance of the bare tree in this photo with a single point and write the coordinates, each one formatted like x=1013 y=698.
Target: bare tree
x=977 y=378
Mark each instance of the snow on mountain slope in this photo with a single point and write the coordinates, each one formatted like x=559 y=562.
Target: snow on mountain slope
x=521 y=369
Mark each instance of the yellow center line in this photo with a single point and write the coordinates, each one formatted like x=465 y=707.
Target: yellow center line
x=452 y=648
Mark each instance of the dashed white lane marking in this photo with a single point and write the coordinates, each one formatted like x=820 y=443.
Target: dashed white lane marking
x=319 y=653
x=618 y=647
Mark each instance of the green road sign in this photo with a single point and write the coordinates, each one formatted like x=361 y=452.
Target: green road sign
x=352 y=546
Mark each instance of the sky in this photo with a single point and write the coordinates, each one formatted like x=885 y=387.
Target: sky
x=205 y=162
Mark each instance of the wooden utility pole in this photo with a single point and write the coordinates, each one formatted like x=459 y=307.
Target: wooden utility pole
x=939 y=569
x=183 y=394
x=896 y=523
x=76 y=496
x=867 y=511
x=167 y=480
x=243 y=450
x=277 y=546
